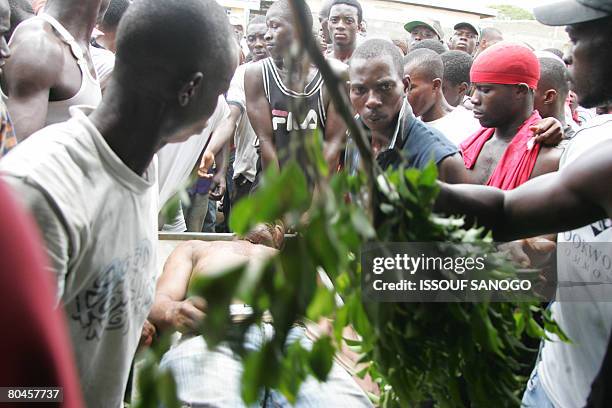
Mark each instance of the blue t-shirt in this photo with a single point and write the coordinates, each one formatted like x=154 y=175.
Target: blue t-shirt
x=414 y=144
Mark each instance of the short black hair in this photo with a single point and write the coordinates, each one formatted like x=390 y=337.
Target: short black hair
x=352 y=3
x=428 y=61
x=18 y=6
x=457 y=65
x=258 y=20
x=555 y=51
x=488 y=33
x=114 y=12
x=431 y=44
x=554 y=75
x=377 y=47
x=284 y=6
x=161 y=42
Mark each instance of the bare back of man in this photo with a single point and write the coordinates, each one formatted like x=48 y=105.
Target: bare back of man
x=50 y=64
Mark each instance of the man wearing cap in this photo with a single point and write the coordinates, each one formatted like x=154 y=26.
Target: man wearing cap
x=503 y=153
x=577 y=200
x=424 y=29
x=465 y=38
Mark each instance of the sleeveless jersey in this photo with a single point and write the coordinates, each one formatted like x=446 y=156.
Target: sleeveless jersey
x=288 y=123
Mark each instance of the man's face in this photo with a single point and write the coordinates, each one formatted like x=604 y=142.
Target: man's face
x=324 y=31
x=464 y=39
x=343 y=25
x=493 y=104
x=5 y=26
x=419 y=33
x=591 y=61
x=238 y=32
x=279 y=35
x=422 y=92
x=453 y=93
x=256 y=42
x=376 y=92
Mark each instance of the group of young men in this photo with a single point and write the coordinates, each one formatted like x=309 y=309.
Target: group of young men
x=100 y=129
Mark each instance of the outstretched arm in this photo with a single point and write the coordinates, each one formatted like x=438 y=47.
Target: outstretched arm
x=555 y=202
x=170 y=310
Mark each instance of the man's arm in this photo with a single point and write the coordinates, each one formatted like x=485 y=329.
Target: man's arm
x=555 y=202
x=260 y=115
x=547 y=162
x=452 y=170
x=335 y=137
x=33 y=69
x=170 y=310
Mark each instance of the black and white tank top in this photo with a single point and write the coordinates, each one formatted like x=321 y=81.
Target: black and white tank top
x=288 y=123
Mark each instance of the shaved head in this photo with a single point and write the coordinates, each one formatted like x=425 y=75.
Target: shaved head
x=427 y=62
x=377 y=47
x=168 y=40
x=283 y=8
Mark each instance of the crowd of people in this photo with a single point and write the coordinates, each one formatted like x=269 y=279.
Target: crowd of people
x=109 y=107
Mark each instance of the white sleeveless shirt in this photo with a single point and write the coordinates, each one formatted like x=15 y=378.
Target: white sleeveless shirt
x=89 y=93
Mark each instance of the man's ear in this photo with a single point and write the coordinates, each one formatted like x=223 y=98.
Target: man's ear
x=188 y=90
x=406 y=82
x=437 y=84
x=463 y=88
x=522 y=89
x=550 y=96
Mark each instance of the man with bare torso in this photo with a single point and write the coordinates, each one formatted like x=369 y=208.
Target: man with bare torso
x=51 y=68
x=212 y=378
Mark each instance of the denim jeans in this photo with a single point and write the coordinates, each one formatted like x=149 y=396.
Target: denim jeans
x=535 y=396
x=209 y=379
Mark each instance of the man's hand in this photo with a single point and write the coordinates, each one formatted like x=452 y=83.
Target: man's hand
x=218 y=187
x=271 y=235
x=548 y=131
x=207 y=162
x=147 y=335
x=187 y=315
x=530 y=252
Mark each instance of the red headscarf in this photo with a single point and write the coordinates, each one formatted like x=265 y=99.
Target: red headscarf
x=508 y=64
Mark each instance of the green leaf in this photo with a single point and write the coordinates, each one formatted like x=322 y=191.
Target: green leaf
x=321 y=358
x=323 y=304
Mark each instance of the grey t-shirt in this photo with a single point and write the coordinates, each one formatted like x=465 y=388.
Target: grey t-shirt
x=414 y=144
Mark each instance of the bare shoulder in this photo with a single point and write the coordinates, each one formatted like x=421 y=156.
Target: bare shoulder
x=36 y=52
x=548 y=160
x=253 y=73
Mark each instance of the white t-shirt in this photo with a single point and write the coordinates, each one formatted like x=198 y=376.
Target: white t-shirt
x=104 y=63
x=177 y=161
x=245 y=161
x=99 y=222
x=457 y=125
x=568 y=370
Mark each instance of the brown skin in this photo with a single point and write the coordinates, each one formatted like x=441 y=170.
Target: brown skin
x=549 y=103
x=505 y=108
x=5 y=26
x=580 y=196
x=425 y=94
x=377 y=94
x=256 y=42
x=343 y=26
x=43 y=68
x=454 y=94
x=464 y=39
x=171 y=309
x=487 y=39
x=279 y=37
x=420 y=33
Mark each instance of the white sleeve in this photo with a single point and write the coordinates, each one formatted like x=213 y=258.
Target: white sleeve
x=51 y=226
x=235 y=93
